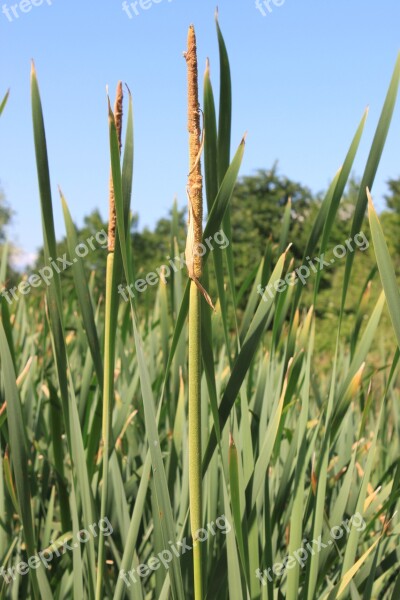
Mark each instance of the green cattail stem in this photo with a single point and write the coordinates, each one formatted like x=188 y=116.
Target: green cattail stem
x=108 y=394
x=195 y=477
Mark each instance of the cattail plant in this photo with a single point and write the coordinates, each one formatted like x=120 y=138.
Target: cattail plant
x=109 y=343
x=193 y=261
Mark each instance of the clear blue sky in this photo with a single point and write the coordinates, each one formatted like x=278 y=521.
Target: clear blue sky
x=302 y=77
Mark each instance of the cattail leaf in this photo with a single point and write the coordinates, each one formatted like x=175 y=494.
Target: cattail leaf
x=5 y=315
x=127 y=181
x=236 y=509
x=19 y=458
x=53 y=291
x=73 y=429
x=339 y=191
x=212 y=186
x=4 y=102
x=352 y=541
x=161 y=487
x=134 y=527
x=386 y=269
x=225 y=107
x=208 y=357
x=235 y=587
x=210 y=141
x=82 y=292
x=224 y=151
x=303 y=446
x=243 y=361
x=363 y=347
x=252 y=302
x=265 y=453
x=372 y=165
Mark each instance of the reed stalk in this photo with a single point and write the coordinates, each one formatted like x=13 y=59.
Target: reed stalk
x=109 y=349
x=193 y=261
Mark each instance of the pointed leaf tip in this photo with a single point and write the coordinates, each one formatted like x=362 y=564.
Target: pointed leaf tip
x=110 y=112
x=370 y=201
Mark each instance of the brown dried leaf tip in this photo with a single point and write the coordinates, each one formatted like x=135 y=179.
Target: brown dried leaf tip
x=195 y=182
x=112 y=222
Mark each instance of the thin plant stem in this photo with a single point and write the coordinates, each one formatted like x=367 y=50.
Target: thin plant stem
x=195 y=478
x=109 y=359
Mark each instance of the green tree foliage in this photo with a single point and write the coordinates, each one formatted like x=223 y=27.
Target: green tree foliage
x=5 y=216
x=258 y=205
x=393 y=198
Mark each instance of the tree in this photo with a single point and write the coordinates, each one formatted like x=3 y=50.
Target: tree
x=257 y=209
x=5 y=216
x=393 y=198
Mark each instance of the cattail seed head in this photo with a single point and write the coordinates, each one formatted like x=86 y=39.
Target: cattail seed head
x=112 y=221
x=195 y=182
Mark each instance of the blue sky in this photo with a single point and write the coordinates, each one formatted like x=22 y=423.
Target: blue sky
x=302 y=77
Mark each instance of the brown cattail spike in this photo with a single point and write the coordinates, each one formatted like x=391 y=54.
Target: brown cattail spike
x=195 y=182
x=112 y=222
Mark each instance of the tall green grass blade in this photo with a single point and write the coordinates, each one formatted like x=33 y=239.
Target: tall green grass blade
x=50 y=249
x=236 y=508
x=4 y=102
x=19 y=457
x=338 y=193
x=243 y=360
x=372 y=166
x=82 y=291
x=386 y=269
x=224 y=148
x=56 y=323
x=212 y=186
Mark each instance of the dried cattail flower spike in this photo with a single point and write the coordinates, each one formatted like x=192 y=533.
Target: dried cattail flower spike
x=112 y=220
x=195 y=181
